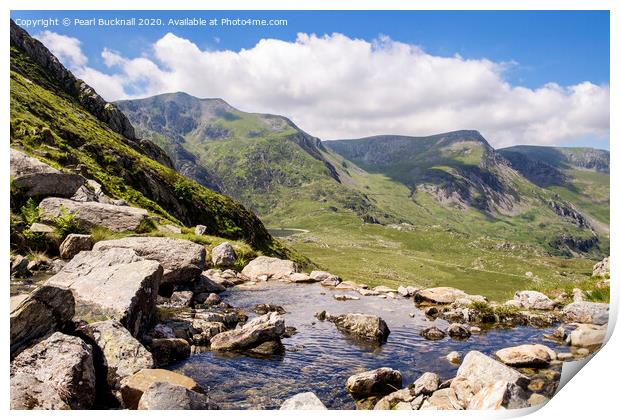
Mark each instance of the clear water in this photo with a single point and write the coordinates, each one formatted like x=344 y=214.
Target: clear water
x=319 y=358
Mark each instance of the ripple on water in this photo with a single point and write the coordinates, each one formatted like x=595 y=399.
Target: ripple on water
x=319 y=358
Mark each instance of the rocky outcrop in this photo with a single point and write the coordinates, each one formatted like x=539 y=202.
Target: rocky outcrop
x=586 y=312
x=601 y=268
x=530 y=299
x=37 y=179
x=223 y=255
x=91 y=214
x=73 y=244
x=376 y=382
x=270 y=268
x=56 y=373
x=182 y=260
x=526 y=355
x=117 y=354
x=259 y=330
x=303 y=401
x=113 y=284
x=136 y=385
x=167 y=396
x=363 y=326
x=46 y=310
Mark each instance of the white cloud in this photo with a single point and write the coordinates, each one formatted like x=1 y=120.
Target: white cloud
x=65 y=48
x=338 y=87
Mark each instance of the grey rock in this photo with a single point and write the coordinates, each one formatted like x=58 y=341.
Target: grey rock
x=167 y=396
x=442 y=399
x=91 y=214
x=433 y=333
x=168 y=350
x=182 y=298
x=58 y=372
x=526 y=355
x=454 y=357
x=182 y=260
x=498 y=395
x=207 y=283
x=169 y=229
x=391 y=400
x=19 y=267
x=426 y=384
x=601 y=268
x=37 y=179
x=112 y=284
x=73 y=244
x=439 y=295
x=200 y=230
x=481 y=370
x=459 y=331
x=530 y=299
x=586 y=312
x=41 y=228
x=301 y=278
x=255 y=332
x=376 y=382
x=273 y=268
x=326 y=279
x=587 y=335
x=303 y=401
x=121 y=354
x=363 y=326
x=223 y=255
x=45 y=311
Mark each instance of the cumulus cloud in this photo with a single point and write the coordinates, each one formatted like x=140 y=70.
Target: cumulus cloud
x=67 y=49
x=337 y=87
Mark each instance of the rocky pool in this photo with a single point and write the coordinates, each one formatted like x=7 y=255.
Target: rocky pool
x=320 y=358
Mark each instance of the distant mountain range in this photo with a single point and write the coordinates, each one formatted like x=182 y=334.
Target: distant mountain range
x=272 y=166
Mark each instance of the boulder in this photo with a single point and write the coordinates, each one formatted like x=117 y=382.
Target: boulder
x=91 y=214
x=303 y=401
x=182 y=298
x=118 y=355
x=113 y=284
x=269 y=348
x=439 y=295
x=41 y=228
x=37 y=179
x=481 y=370
x=46 y=310
x=208 y=299
x=432 y=333
x=586 y=313
x=169 y=229
x=182 y=260
x=459 y=331
x=463 y=390
x=426 y=384
x=73 y=244
x=326 y=279
x=498 y=395
x=19 y=267
x=168 y=350
x=600 y=269
x=207 y=283
x=537 y=399
x=200 y=230
x=223 y=255
x=134 y=386
x=443 y=399
x=255 y=332
x=168 y=396
x=273 y=268
x=376 y=382
x=16 y=300
x=526 y=355
x=92 y=191
x=363 y=326
x=56 y=373
x=530 y=299
x=587 y=335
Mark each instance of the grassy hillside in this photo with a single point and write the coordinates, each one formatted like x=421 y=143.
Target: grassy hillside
x=51 y=124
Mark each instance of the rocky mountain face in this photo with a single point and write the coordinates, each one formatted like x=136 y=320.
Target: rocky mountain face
x=62 y=121
x=247 y=156
x=560 y=158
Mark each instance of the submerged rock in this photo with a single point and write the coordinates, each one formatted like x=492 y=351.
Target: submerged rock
x=56 y=373
x=112 y=284
x=303 y=401
x=46 y=310
x=526 y=355
x=453 y=357
x=432 y=333
x=366 y=327
x=459 y=331
x=182 y=260
x=376 y=382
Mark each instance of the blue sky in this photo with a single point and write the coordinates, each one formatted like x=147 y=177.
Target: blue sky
x=534 y=48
